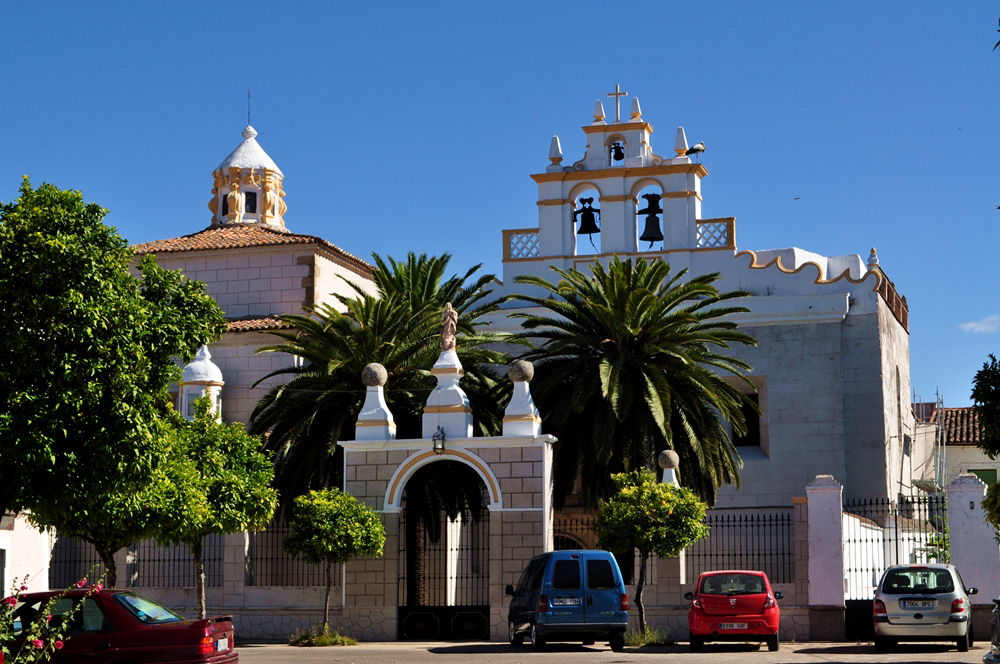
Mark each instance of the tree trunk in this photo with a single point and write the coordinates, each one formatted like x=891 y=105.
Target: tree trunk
x=326 y=598
x=108 y=559
x=640 y=584
x=199 y=575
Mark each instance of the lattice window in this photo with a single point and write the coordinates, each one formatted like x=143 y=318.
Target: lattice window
x=524 y=245
x=713 y=234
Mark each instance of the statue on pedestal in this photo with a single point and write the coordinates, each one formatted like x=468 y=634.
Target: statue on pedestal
x=449 y=325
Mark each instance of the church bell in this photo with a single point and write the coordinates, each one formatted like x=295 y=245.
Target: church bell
x=652 y=231
x=588 y=221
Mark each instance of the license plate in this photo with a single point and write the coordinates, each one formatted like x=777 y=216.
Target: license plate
x=565 y=601
x=917 y=604
x=732 y=625
x=222 y=644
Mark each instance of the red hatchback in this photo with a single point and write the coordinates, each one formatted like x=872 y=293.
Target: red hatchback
x=117 y=626
x=733 y=605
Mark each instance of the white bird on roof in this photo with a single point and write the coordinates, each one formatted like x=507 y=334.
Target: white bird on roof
x=695 y=149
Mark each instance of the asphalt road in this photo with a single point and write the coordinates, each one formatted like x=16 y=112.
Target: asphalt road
x=488 y=653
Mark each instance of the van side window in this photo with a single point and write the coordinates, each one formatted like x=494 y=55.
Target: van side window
x=531 y=576
x=566 y=575
x=599 y=575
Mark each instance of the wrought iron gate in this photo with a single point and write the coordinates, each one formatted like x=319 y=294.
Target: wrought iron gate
x=452 y=585
x=880 y=532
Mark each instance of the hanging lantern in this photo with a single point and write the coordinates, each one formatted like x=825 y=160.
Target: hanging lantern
x=652 y=232
x=588 y=220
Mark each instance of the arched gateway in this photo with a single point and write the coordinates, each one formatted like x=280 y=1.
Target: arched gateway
x=462 y=514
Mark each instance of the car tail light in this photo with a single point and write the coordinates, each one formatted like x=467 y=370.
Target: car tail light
x=543 y=603
x=769 y=602
x=958 y=606
x=623 y=603
x=207 y=644
x=879 y=608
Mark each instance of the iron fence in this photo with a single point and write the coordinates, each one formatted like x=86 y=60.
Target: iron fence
x=879 y=532
x=268 y=564
x=150 y=565
x=71 y=560
x=747 y=540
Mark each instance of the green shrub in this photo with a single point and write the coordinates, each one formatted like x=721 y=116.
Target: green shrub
x=318 y=636
x=653 y=636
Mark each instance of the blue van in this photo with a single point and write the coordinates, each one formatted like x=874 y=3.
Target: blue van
x=569 y=596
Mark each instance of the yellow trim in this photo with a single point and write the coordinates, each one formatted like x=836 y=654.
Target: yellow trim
x=776 y=262
x=589 y=258
x=447 y=371
x=551 y=201
x=475 y=462
x=447 y=409
x=634 y=171
x=374 y=423
x=522 y=418
x=682 y=194
x=799 y=500
x=617 y=127
x=615 y=199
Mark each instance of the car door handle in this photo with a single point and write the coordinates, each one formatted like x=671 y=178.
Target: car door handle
x=590 y=600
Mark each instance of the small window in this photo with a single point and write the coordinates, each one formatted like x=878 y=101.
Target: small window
x=145 y=610
x=752 y=418
x=225 y=206
x=566 y=575
x=530 y=576
x=599 y=575
x=250 y=202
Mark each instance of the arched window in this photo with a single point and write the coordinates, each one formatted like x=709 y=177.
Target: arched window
x=649 y=218
x=587 y=222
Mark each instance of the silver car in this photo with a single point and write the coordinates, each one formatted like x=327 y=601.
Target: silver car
x=922 y=603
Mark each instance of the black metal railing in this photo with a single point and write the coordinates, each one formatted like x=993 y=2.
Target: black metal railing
x=268 y=564
x=746 y=540
x=574 y=532
x=150 y=565
x=879 y=532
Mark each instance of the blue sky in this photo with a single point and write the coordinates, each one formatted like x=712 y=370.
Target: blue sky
x=834 y=127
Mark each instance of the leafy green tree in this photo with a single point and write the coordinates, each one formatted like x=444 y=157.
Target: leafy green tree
x=216 y=481
x=398 y=327
x=986 y=403
x=86 y=363
x=329 y=526
x=626 y=365
x=651 y=517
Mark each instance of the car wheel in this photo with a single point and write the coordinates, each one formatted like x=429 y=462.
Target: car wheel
x=963 y=643
x=512 y=635
x=617 y=642
x=697 y=643
x=772 y=643
x=537 y=641
x=882 y=643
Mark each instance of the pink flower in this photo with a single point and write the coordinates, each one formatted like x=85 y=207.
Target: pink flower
x=23 y=588
x=38 y=643
x=81 y=583
x=58 y=644
x=97 y=587
x=10 y=601
x=48 y=617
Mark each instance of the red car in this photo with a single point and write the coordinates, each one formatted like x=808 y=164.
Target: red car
x=733 y=605
x=119 y=627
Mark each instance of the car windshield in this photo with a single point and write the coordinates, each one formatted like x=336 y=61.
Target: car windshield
x=731 y=584
x=917 y=580
x=147 y=611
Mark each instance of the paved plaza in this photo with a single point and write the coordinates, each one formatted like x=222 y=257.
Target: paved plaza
x=488 y=653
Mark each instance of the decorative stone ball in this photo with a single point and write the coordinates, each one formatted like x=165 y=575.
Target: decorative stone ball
x=668 y=459
x=374 y=374
x=521 y=371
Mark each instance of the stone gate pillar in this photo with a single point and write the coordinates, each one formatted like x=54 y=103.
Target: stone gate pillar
x=824 y=497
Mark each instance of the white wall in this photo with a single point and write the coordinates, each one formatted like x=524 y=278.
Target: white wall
x=27 y=554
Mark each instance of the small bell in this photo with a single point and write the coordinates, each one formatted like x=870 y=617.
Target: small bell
x=588 y=221
x=652 y=231
x=617 y=152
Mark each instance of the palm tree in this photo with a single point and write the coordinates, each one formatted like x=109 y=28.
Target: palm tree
x=627 y=366
x=397 y=327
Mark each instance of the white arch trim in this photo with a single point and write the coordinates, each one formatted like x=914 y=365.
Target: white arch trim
x=417 y=460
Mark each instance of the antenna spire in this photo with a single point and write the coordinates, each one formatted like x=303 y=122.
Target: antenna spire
x=248 y=105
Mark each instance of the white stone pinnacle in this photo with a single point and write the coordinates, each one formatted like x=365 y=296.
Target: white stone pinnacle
x=555 y=150
x=636 y=114
x=599 y=113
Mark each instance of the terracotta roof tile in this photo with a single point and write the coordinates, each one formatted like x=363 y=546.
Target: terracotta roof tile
x=961 y=425
x=262 y=324
x=240 y=236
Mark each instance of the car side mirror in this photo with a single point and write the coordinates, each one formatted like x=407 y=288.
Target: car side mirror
x=509 y=590
x=779 y=595
x=688 y=595
x=972 y=591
